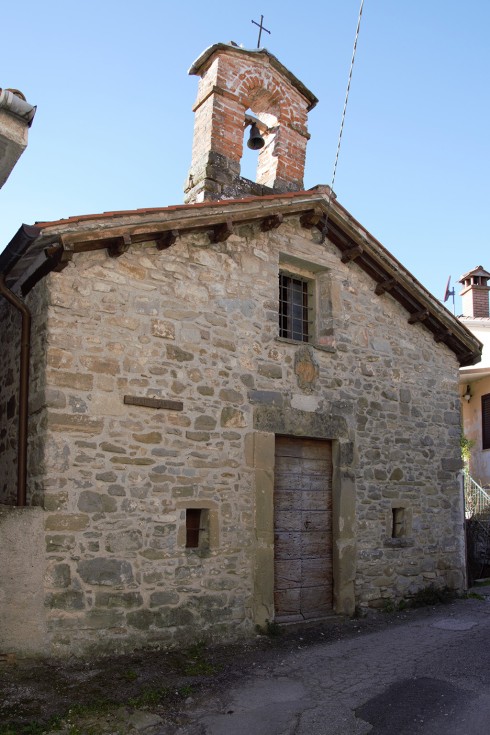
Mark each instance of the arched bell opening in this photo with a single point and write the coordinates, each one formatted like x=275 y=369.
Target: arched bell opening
x=258 y=142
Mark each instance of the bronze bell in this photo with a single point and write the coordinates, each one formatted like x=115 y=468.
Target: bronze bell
x=255 y=141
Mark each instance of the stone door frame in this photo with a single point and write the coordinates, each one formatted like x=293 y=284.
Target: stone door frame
x=260 y=454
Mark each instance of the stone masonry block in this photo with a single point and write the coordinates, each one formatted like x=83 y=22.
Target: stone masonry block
x=264 y=450
x=67 y=522
x=264 y=505
x=105 y=571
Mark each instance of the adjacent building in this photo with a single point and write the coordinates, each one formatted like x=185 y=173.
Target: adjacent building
x=16 y=116
x=475 y=380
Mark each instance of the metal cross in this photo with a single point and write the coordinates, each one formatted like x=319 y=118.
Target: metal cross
x=261 y=28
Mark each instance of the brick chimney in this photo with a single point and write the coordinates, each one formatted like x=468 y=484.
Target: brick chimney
x=235 y=86
x=474 y=295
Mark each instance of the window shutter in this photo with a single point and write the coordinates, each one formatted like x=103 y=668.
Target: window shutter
x=485 y=420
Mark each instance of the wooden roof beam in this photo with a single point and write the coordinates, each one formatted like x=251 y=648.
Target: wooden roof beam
x=272 y=222
x=119 y=246
x=313 y=218
x=166 y=239
x=443 y=335
x=66 y=254
x=222 y=232
x=469 y=358
x=418 y=316
x=387 y=285
x=351 y=253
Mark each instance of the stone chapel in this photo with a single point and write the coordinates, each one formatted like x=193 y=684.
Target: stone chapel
x=237 y=410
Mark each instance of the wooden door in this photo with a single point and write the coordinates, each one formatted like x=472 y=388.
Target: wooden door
x=302 y=529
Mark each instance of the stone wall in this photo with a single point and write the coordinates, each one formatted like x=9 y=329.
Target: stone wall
x=196 y=327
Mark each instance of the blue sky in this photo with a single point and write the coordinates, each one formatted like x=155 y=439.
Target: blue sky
x=114 y=123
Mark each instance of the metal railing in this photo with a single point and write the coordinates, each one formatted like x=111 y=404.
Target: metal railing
x=476 y=499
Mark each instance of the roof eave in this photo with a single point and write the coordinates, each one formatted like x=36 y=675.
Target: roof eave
x=116 y=231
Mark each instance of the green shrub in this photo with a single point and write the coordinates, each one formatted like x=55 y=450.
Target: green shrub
x=432 y=595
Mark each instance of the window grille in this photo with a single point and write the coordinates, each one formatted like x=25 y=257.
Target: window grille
x=295 y=308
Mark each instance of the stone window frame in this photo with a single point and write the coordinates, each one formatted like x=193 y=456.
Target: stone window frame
x=398 y=524
x=320 y=301
x=197 y=528
x=404 y=538
x=270 y=421
x=209 y=526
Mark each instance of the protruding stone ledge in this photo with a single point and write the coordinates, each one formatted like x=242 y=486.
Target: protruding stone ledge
x=148 y=402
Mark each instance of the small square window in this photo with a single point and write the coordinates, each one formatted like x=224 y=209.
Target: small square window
x=295 y=308
x=398 y=527
x=196 y=528
x=192 y=527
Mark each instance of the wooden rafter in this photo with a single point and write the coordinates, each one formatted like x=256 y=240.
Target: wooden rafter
x=443 y=335
x=353 y=242
x=65 y=257
x=221 y=232
x=164 y=240
x=387 y=285
x=312 y=218
x=351 y=253
x=119 y=246
x=419 y=316
x=272 y=222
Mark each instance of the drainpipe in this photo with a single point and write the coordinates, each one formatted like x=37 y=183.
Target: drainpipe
x=25 y=349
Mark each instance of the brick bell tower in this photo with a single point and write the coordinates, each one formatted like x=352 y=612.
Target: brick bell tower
x=474 y=296
x=236 y=88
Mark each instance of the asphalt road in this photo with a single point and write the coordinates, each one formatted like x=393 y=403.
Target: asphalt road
x=429 y=676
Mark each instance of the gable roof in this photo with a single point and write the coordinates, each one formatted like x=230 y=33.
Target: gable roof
x=35 y=251
x=232 y=48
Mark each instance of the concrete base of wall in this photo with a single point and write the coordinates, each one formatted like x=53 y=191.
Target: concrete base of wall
x=22 y=615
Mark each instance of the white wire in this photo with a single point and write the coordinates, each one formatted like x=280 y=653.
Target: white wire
x=325 y=226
